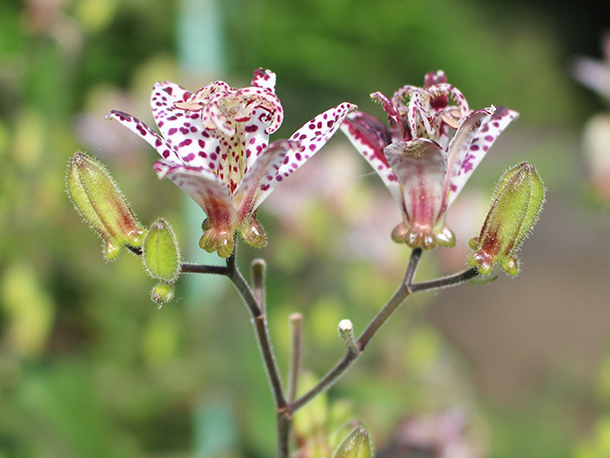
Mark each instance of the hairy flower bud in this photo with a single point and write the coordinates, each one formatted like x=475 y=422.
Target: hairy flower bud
x=160 y=252
x=98 y=199
x=515 y=207
x=162 y=294
x=356 y=445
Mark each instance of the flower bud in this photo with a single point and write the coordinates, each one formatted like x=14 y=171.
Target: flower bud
x=98 y=199
x=515 y=207
x=346 y=332
x=356 y=445
x=162 y=294
x=160 y=252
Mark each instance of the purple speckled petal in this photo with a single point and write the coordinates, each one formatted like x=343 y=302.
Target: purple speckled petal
x=205 y=188
x=420 y=166
x=264 y=79
x=453 y=93
x=370 y=137
x=164 y=148
x=255 y=139
x=309 y=139
x=471 y=143
x=183 y=128
x=256 y=184
x=267 y=100
x=399 y=129
x=313 y=136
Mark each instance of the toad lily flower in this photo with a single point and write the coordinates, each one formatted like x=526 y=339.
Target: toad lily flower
x=427 y=154
x=215 y=146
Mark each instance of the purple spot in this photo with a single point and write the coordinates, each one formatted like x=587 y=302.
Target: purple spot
x=166 y=153
x=474 y=148
x=172 y=131
x=252 y=128
x=184 y=143
x=201 y=143
x=189 y=157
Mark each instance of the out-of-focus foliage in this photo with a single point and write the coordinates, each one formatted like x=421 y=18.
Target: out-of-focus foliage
x=89 y=367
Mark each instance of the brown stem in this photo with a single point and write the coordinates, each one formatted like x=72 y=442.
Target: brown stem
x=331 y=377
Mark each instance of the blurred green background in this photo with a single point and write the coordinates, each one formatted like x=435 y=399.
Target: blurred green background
x=90 y=368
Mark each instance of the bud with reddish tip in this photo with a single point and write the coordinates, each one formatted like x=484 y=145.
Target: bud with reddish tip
x=515 y=207
x=160 y=252
x=98 y=199
x=356 y=445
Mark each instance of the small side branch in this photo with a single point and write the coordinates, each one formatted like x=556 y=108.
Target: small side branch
x=204 y=269
x=445 y=282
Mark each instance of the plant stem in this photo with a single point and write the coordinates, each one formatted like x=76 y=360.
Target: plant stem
x=257 y=269
x=296 y=352
x=399 y=296
x=331 y=377
x=203 y=269
x=259 y=319
x=444 y=282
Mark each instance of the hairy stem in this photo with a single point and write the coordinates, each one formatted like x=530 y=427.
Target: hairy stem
x=203 y=269
x=331 y=377
x=445 y=282
x=296 y=353
x=255 y=304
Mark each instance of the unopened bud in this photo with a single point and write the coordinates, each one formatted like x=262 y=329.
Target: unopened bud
x=160 y=252
x=356 y=445
x=515 y=207
x=346 y=331
x=162 y=294
x=100 y=202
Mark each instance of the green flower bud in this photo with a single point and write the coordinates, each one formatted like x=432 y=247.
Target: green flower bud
x=162 y=294
x=160 y=252
x=356 y=445
x=98 y=199
x=515 y=207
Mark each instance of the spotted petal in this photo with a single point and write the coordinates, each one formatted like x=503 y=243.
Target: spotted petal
x=265 y=79
x=183 y=128
x=370 y=136
x=256 y=182
x=398 y=125
x=420 y=166
x=307 y=141
x=212 y=195
x=163 y=147
x=471 y=143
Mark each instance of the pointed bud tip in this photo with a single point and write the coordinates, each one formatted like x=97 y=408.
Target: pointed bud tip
x=98 y=199
x=515 y=208
x=356 y=445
